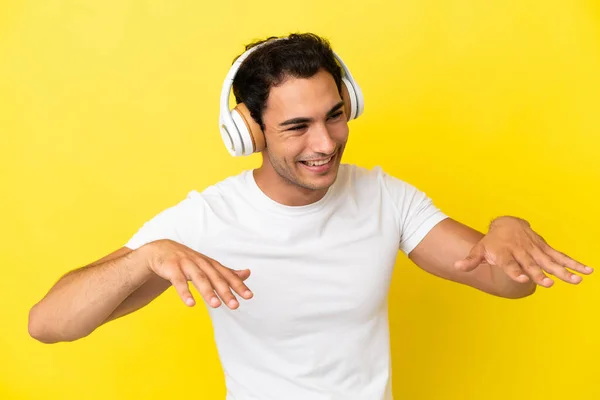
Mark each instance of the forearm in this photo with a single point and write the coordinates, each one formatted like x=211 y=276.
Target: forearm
x=141 y=297
x=83 y=299
x=451 y=241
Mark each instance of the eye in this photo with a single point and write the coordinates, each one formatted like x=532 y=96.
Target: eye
x=297 y=128
x=336 y=115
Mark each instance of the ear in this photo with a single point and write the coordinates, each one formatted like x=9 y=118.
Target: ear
x=256 y=133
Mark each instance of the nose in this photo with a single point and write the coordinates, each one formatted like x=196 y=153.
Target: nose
x=321 y=140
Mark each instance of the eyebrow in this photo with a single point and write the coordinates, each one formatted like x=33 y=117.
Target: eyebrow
x=304 y=120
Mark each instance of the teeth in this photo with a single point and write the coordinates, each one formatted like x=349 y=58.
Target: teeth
x=317 y=163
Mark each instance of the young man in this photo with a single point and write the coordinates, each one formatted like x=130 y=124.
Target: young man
x=308 y=243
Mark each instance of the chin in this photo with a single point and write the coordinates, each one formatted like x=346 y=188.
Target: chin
x=319 y=180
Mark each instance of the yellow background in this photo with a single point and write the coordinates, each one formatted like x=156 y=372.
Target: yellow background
x=108 y=114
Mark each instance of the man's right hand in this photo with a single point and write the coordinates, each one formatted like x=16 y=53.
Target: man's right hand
x=179 y=264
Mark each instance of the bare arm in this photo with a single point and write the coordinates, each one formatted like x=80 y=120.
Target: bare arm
x=451 y=241
x=510 y=261
x=127 y=280
x=90 y=296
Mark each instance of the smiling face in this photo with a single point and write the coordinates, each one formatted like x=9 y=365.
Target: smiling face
x=306 y=130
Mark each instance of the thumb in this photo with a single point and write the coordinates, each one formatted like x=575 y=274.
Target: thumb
x=473 y=260
x=243 y=273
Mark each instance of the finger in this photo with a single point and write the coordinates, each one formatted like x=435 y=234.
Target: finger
x=219 y=284
x=473 y=260
x=532 y=269
x=243 y=274
x=550 y=266
x=514 y=270
x=567 y=261
x=201 y=283
x=236 y=282
x=235 y=278
x=180 y=283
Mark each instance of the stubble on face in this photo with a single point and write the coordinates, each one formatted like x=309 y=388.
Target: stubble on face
x=305 y=125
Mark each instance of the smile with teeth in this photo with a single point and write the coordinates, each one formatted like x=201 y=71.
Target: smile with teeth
x=317 y=163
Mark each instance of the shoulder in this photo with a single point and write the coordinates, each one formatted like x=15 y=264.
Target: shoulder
x=352 y=173
x=196 y=199
x=234 y=183
x=228 y=199
x=215 y=192
x=406 y=198
x=184 y=220
x=376 y=186
x=369 y=178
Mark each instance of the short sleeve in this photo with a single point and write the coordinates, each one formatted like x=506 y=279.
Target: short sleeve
x=416 y=212
x=180 y=223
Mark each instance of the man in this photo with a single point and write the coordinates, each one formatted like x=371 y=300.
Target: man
x=319 y=237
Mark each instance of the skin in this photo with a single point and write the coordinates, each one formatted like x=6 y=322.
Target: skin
x=304 y=120
x=510 y=261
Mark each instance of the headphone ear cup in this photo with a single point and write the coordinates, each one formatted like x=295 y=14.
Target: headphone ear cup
x=360 y=101
x=231 y=138
x=350 y=100
x=252 y=136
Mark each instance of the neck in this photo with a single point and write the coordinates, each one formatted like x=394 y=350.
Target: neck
x=282 y=190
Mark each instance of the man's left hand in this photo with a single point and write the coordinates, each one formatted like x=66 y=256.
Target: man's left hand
x=522 y=254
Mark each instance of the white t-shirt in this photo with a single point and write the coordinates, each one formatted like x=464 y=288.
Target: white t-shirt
x=317 y=326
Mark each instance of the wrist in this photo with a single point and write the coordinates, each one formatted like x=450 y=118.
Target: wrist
x=138 y=263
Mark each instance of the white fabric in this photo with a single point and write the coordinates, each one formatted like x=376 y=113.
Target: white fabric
x=317 y=327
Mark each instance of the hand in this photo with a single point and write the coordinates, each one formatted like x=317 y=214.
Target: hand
x=522 y=254
x=179 y=264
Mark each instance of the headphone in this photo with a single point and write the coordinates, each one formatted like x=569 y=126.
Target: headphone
x=240 y=132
